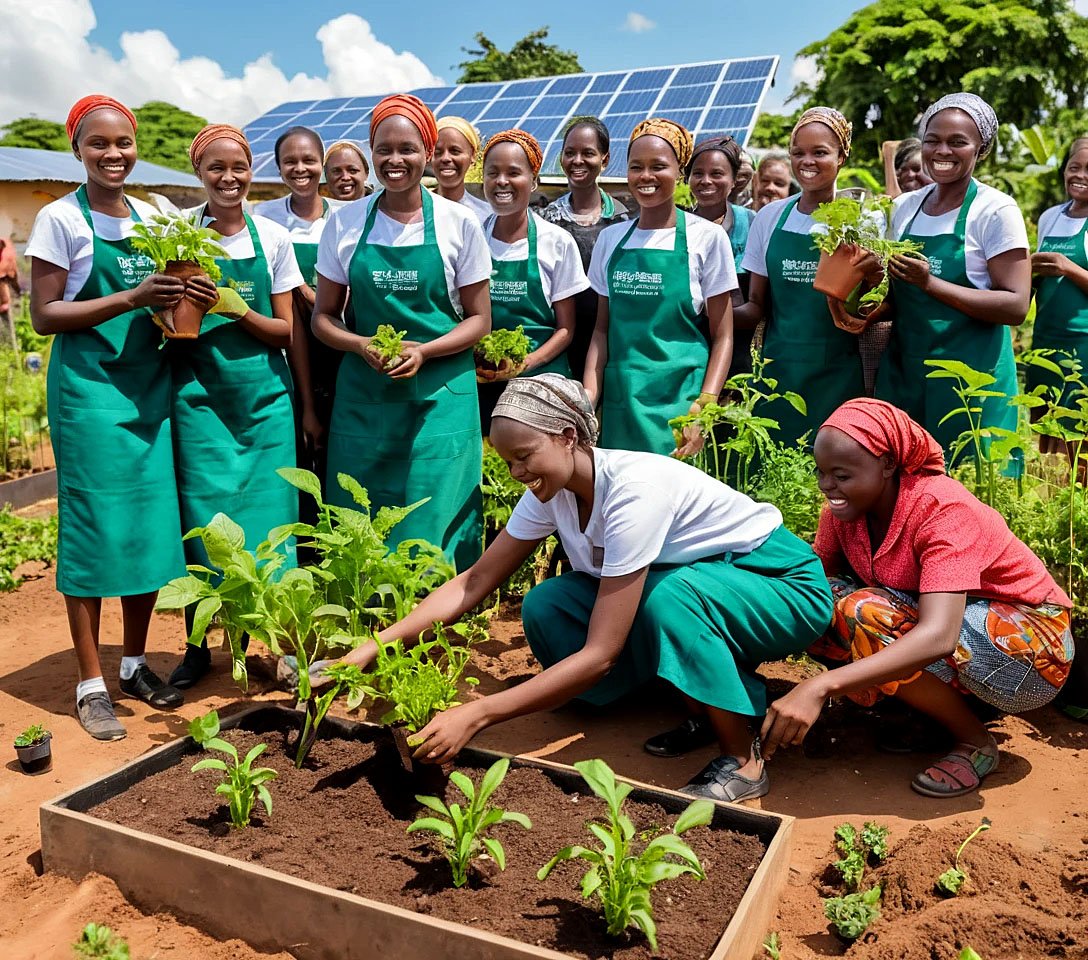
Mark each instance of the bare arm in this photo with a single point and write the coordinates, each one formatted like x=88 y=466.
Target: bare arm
x=719 y=311
x=748 y=315
x=1051 y=264
x=327 y=321
x=274 y=330
x=476 y=323
x=558 y=341
x=597 y=354
x=891 y=181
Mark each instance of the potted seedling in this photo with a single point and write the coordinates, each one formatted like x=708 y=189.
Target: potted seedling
x=950 y=882
x=501 y=354
x=180 y=247
x=387 y=344
x=34 y=748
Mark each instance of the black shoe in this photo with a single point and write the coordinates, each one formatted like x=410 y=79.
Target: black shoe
x=693 y=733
x=196 y=663
x=145 y=685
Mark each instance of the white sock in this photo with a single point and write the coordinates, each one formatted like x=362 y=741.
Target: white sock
x=129 y=665
x=94 y=685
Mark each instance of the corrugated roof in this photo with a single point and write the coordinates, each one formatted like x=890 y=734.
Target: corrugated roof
x=25 y=163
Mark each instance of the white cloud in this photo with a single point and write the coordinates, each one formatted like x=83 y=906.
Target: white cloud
x=804 y=70
x=638 y=23
x=52 y=64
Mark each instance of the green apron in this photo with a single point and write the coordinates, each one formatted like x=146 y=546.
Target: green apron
x=306 y=253
x=406 y=440
x=234 y=418
x=109 y=416
x=738 y=236
x=1061 y=315
x=926 y=329
x=811 y=356
x=657 y=353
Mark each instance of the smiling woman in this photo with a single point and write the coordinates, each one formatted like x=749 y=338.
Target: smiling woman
x=454 y=153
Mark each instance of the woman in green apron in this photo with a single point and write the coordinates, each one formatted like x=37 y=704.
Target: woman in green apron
x=536 y=267
x=805 y=352
x=409 y=431
x=974 y=282
x=454 y=153
x=346 y=171
x=232 y=392
x=109 y=409
x=649 y=360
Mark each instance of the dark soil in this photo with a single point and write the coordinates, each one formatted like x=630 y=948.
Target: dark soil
x=341 y=822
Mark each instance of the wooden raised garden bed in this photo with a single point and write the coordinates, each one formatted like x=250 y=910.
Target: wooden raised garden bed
x=311 y=878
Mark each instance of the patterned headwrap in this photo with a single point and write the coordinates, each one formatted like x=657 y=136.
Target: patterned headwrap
x=726 y=145
x=346 y=145
x=414 y=109
x=881 y=428
x=216 y=131
x=975 y=107
x=831 y=118
x=526 y=141
x=96 y=101
x=678 y=137
x=463 y=127
x=550 y=403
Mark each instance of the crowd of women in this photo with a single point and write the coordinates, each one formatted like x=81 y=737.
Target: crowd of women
x=914 y=589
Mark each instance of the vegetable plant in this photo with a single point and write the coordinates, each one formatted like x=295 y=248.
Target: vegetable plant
x=462 y=829
x=852 y=863
x=98 y=942
x=243 y=784
x=502 y=344
x=346 y=678
x=31 y=735
x=772 y=944
x=170 y=236
x=23 y=539
x=387 y=343
x=968 y=954
x=952 y=880
x=851 y=914
x=621 y=879
x=874 y=837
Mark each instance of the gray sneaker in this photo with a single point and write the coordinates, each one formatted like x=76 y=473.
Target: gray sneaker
x=719 y=780
x=95 y=712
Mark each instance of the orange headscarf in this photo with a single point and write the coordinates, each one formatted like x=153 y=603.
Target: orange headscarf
x=95 y=101
x=881 y=428
x=216 y=131
x=405 y=105
x=526 y=141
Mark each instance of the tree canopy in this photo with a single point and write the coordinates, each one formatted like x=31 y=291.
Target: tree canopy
x=36 y=134
x=772 y=130
x=531 y=56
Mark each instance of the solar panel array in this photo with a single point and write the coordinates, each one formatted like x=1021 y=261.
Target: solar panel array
x=722 y=97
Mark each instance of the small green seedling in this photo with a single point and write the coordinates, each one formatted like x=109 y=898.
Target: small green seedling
x=31 y=736
x=950 y=882
x=852 y=863
x=622 y=879
x=171 y=236
x=346 y=678
x=98 y=942
x=852 y=913
x=243 y=785
x=503 y=344
x=874 y=837
x=387 y=343
x=968 y=954
x=772 y=944
x=462 y=829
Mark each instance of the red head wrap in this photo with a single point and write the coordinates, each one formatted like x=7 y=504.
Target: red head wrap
x=881 y=428
x=405 y=105
x=526 y=141
x=217 y=131
x=96 y=101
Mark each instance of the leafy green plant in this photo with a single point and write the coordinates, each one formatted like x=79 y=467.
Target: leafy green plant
x=24 y=419
x=950 y=882
x=462 y=829
x=243 y=784
x=772 y=944
x=787 y=478
x=874 y=837
x=387 y=343
x=621 y=879
x=852 y=913
x=503 y=344
x=967 y=953
x=346 y=678
x=31 y=735
x=852 y=863
x=99 y=942
x=169 y=236
x=23 y=539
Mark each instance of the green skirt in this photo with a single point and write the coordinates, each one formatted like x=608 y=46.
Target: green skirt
x=704 y=626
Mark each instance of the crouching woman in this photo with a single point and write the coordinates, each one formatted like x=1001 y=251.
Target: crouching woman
x=950 y=605
x=675 y=575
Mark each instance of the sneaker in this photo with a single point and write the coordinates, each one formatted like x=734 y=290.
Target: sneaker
x=145 y=685
x=719 y=780
x=194 y=665
x=693 y=733
x=95 y=712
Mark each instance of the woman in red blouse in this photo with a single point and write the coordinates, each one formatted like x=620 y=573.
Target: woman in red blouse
x=935 y=598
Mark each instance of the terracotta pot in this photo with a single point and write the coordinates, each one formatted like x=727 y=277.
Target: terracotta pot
x=187 y=316
x=836 y=276
x=38 y=757
x=487 y=372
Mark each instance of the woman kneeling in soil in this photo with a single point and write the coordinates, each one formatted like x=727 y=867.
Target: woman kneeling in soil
x=675 y=575
x=952 y=605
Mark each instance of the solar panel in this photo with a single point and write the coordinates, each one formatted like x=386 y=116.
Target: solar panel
x=720 y=97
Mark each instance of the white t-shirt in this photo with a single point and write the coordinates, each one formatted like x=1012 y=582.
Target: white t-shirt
x=561 y=273
x=994 y=225
x=300 y=230
x=62 y=237
x=711 y=270
x=646 y=509
x=481 y=208
x=460 y=240
x=1056 y=223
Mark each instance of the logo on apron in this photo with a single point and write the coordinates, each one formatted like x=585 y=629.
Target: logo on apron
x=396 y=280
x=135 y=269
x=799 y=271
x=936 y=265
x=636 y=283
x=509 y=291
x=246 y=289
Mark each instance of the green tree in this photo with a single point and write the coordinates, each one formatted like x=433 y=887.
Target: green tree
x=1024 y=56
x=531 y=56
x=35 y=133
x=772 y=130
x=165 y=132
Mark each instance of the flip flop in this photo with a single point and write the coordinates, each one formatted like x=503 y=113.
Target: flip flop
x=960 y=771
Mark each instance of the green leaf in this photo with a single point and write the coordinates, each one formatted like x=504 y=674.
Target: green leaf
x=441 y=827
x=698 y=814
x=591 y=882
x=302 y=480
x=202 y=617
x=265 y=798
x=463 y=784
x=180 y=593
x=496 y=773
x=646 y=924
x=511 y=816
x=599 y=776
x=568 y=853
x=208 y=763
x=433 y=803
x=204 y=728
x=498 y=854
x=670 y=843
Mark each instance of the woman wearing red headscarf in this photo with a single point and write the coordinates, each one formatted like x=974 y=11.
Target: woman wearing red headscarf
x=950 y=605
x=407 y=430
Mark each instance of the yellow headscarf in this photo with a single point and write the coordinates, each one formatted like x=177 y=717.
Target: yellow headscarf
x=463 y=127
x=831 y=118
x=677 y=137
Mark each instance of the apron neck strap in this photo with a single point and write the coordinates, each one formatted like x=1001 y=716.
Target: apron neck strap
x=787 y=209
x=608 y=206
x=85 y=206
x=258 y=249
x=960 y=229
x=428 y=215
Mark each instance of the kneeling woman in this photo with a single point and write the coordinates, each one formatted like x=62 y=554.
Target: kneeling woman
x=675 y=575
x=951 y=604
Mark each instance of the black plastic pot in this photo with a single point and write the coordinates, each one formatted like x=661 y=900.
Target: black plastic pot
x=38 y=757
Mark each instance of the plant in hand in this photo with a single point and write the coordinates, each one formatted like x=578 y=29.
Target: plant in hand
x=621 y=879
x=387 y=344
x=462 y=829
x=98 y=942
x=169 y=237
x=31 y=735
x=243 y=784
x=852 y=913
x=503 y=350
x=950 y=882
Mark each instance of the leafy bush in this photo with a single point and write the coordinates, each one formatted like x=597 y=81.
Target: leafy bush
x=503 y=344
x=98 y=942
x=24 y=416
x=170 y=236
x=23 y=539
x=853 y=913
x=31 y=735
x=243 y=785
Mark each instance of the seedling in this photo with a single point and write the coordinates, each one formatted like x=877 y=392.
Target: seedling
x=502 y=344
x=243 y=785
x=621 y=879
x=170 y=236
x=98 y=942
x=852 y=913
x=347 y=678
x=852 y=863
x=874 y=837
x=31 y=736
x=773 y=946
x=950 y=882
x=462 y=829
x=387 y=343
x=968 y=954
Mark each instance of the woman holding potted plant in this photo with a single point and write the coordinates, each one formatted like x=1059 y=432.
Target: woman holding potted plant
x=346 y=171
x=409 y=429
x=232 y=393
x=649 y=360
x=109 y=408
x=454 y=154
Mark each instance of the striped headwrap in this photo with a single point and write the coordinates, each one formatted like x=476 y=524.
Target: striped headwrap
x=975 y=107
x=677 y=137
x=88 y=104
x=413 y=109
x=550 y=403
x=831 y=118
x=213 y=132
x=463 y=127
x=526 y=141
x=346 y=145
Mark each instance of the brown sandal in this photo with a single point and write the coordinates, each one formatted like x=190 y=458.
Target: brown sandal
x=959 y=772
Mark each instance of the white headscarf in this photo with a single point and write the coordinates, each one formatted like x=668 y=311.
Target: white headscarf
x=550 y=403
x=975 y=107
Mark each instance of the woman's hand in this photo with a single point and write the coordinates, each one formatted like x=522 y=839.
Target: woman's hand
x=1050 y=264
x=372 y=357
x=442 y=739
x=159 y=291
x=202 y=291
x=910 y=269
x=312 y=431
x=410 y=360
x=868 y=263
x=690 y=440
x=506 y=371
x=790 y=717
